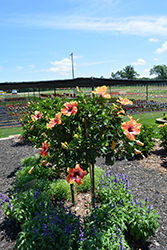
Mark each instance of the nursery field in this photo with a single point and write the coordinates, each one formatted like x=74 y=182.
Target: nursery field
x=154 y=92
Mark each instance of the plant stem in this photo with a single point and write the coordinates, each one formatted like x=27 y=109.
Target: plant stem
x=72 y=193
x=93 y=186
x=91 y=170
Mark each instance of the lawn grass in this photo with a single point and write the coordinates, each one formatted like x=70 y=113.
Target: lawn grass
x=5 y=132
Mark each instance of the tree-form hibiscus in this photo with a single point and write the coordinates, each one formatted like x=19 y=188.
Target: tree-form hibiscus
x=54 y=121
x=101 y=91
x=43 y=151
x=131 y=128
x=75 y=174
x=124 y=101
x=36 y=116
x=70 y=108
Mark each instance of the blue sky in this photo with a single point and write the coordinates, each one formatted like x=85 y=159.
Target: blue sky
x=38 y=36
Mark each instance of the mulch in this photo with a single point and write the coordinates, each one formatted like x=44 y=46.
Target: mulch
x=147 y=178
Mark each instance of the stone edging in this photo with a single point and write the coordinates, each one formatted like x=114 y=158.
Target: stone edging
x=10 y=137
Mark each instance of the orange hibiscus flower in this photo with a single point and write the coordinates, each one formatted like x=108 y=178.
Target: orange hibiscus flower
x=43 y=151
x=36 y=116
x=70 y=108
x=124 y=101
x=101 y=91
x=131 y=128
x=75 y=174
x=54 y=121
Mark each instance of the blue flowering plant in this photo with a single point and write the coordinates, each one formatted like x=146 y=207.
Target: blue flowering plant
x=136 y=217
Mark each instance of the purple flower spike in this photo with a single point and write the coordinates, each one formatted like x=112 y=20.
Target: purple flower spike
x=110 y=172
x=146 y=200
x=81 y=236
x=2 y=197
x=116 y=179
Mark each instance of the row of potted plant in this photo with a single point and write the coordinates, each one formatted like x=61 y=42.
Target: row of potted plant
x=144 y=106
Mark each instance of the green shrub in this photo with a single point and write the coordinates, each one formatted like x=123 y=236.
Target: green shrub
x=59 y=189
x=147 y=136
x=165 y=117
x=39 y=173
x=163 y=135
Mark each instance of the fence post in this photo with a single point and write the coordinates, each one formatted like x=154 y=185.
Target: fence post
x=147 y=91
x=34 y=94
x=39 y=93
x=92 y=80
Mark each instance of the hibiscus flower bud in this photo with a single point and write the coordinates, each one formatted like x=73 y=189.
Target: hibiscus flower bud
x=31 y=128
x=63 y=145
x=44 y=134
x=137 y=151
x=43 y=163
x=139 y=143
x=77 y=88
x=31 y=170
x=113 y=145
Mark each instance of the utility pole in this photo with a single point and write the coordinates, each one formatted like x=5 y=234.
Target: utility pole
x=72 y=65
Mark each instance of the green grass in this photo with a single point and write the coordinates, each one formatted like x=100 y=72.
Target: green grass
x=5 y=132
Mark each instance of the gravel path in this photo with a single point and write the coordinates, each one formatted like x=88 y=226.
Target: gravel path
x=144 y=181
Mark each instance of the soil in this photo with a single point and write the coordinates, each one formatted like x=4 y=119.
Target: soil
x=147 y=178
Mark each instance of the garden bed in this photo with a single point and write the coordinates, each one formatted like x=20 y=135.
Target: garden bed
x=147 y=178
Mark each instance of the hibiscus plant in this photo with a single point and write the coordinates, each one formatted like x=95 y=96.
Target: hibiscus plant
x=71 y=134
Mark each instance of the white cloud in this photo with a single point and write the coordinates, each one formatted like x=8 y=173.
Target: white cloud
x=153 y=40
x=162 y=49
x=146 y=73
x=61 y=67
x=140 y=61
x=155 y=59
x=19 y=67
x=31 y=66
x=138 y=25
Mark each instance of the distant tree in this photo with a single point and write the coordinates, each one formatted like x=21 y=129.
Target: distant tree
x=144 y=78
x=127 y=73
x=160 y=71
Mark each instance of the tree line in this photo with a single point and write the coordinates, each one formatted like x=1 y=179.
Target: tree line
x=129 y=72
